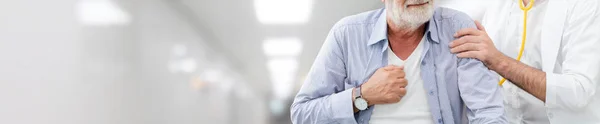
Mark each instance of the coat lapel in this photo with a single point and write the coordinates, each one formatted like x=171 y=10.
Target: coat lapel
x=554 y=23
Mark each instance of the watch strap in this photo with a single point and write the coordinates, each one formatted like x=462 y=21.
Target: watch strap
x=357 y=93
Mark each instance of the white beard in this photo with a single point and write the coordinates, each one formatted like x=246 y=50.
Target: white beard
x=409 y=18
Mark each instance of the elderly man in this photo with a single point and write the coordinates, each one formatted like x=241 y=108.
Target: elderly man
x=393 y=65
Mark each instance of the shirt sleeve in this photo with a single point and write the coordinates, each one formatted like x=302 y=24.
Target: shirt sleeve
x=323 y=99
x=574 y=84
x=479 y=89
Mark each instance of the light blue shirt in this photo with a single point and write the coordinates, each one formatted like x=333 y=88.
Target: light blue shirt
x=459 y=90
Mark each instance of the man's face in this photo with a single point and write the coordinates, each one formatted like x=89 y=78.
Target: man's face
x=409 y=14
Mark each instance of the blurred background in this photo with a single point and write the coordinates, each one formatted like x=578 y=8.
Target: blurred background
x=163 y=61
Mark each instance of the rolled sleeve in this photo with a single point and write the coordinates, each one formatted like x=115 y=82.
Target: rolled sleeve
x=341 y=106
x=480 y=92
x=551 y=85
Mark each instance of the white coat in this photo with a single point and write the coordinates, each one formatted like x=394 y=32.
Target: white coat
x=570 y=50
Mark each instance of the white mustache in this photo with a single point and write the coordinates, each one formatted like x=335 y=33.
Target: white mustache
x=411 y=2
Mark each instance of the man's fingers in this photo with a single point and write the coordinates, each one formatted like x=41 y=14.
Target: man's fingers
x=403 y=82
x=466 y=31
x=400 y=73
x=401 y=67
x=463 y=40
x=399 y=92
x=464 y=47
x=390 y=67
x=397 y=73
x=402 y=92
x=479 y=26
x=393 y=67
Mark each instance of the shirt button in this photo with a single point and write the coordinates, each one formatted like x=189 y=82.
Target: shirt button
x=423 y=63
x=550 y=115
x=431 y=93
x=440 y=121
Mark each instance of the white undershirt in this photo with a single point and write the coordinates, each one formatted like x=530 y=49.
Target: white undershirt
x=521 y=107
x=413 y=108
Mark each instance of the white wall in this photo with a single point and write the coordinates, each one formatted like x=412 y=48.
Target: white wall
x=53 y=70
x=40 y=63
x=159 y=27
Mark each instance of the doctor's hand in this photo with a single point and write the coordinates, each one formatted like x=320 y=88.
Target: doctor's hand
x=387 y=85
x=475 y=43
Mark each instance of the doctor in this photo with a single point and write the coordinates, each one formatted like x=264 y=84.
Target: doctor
x=556 y=78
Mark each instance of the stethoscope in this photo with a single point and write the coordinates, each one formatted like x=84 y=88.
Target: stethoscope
x=525 y=10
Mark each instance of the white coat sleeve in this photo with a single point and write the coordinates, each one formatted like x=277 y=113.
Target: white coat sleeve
x=574 y=82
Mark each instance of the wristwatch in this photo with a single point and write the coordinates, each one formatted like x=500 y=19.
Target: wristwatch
x=359 y=102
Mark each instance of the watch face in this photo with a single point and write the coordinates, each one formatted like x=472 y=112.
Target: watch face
x=360 y=104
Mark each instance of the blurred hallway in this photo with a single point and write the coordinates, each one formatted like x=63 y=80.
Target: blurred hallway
x=160 y=61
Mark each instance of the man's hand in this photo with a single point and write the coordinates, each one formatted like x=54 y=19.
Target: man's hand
x=475 y=43
x=387 y=85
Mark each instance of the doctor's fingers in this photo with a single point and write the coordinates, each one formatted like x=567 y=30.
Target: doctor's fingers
x=465 y=39
x=470 y=54
x=467 y=47
x=480 y=27
x=467 y=31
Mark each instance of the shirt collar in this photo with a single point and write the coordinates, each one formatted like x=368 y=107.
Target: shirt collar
x=379 y=32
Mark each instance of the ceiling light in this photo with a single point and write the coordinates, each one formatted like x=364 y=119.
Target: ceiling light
x=185 y=65
x=283 y=11
x=101 y=13
x=282 y=65
x=283 y=71
x=282 y=85
x=212 y=76
x=188 y=65
x=282 y=47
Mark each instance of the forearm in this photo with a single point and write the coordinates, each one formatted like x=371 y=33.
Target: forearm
x=526 y=77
